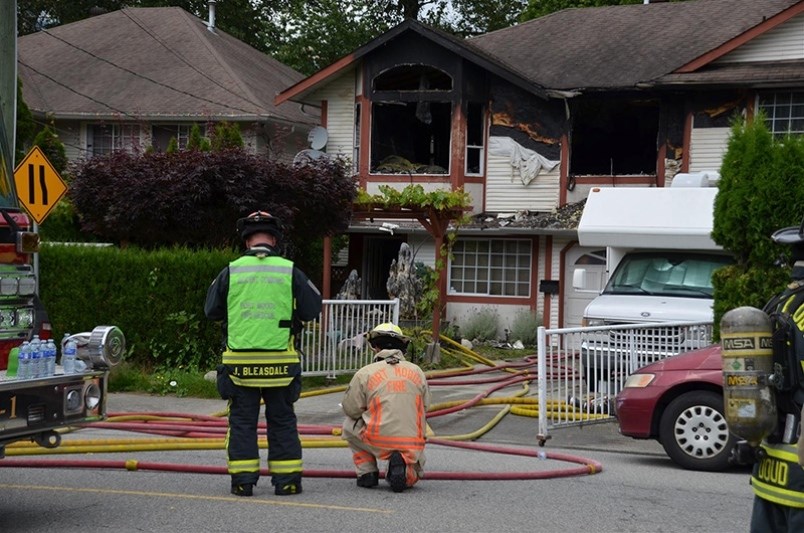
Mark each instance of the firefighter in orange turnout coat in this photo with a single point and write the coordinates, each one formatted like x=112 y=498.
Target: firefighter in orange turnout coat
x=385 y=408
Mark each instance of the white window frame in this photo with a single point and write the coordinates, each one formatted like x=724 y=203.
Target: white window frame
x=127 y=137
x=491 y=267
x=182 y=132
x=479 y=148
x=784 y=111
x=356 y=145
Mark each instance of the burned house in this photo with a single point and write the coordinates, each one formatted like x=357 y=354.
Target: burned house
x=528 y=119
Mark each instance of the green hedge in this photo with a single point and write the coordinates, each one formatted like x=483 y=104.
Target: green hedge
x=155 y=297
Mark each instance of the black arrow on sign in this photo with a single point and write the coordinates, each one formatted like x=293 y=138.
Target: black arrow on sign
x=32 y=188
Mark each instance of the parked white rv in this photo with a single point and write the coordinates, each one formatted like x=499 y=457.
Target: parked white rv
x=660 y=256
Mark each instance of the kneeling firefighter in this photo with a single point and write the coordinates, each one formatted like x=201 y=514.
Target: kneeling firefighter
x=261 y=300
x=385 y=407
x=763 y=378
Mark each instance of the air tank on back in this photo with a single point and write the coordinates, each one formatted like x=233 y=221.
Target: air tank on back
x=746 y=347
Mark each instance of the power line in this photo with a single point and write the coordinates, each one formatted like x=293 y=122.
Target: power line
x=184 y=60
x=146 y=78
x=57 y=82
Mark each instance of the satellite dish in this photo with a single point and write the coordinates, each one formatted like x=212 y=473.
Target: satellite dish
x=317 y=138
x=306 y=156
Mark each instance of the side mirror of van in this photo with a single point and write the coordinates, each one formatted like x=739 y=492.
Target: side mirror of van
x=579 y=279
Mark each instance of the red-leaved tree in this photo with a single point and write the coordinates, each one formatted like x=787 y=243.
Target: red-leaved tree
x=194 y=198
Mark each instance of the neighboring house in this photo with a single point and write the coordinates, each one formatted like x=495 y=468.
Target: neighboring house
x=527 y=119
x=135 y=78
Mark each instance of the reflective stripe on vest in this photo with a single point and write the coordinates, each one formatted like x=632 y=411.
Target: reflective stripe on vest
x=778 y=477
x=260 y=303
x=262 y=369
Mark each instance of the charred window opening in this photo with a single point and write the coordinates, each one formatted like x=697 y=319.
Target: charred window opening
x=411 y=121
x=407 y=139
x=614 y=138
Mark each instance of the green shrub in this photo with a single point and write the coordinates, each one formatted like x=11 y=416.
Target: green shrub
x=481 y=325
x=155 y=297
x=62 y=225
x=524 y=327
x=760 y=177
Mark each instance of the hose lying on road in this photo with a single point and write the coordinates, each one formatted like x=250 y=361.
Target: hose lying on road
x=180 y=431
x=587 y=466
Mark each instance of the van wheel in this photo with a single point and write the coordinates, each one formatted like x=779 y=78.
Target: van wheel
x=694 y=432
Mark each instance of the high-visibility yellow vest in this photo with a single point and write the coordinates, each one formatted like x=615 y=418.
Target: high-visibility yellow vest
x=260 y=304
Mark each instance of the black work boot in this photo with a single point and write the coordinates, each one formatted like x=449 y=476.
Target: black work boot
x=397 y=472
x=286 y=489
x=243 y=489
x=367 y=481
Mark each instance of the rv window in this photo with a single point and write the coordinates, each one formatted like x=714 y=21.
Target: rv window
x=671 y=274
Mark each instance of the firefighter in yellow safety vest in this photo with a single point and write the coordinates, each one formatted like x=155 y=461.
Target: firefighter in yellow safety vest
x=261 y=300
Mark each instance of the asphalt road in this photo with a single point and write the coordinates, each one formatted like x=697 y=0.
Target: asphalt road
x=638 y=490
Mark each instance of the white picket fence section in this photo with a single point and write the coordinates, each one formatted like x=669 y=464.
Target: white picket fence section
x=582 y=369
x=334 y=343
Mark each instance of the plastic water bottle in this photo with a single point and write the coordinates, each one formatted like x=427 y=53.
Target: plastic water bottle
x=68 y=354
x=24 y=361
x=37 y=360
x=51 y=357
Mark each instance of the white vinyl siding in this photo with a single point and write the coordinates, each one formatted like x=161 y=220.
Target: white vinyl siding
x=778 y=44
x=707 y=146
x=505 y=191
x=70 y=136
x=555 y=274
x=340 y=98
x=423 y=249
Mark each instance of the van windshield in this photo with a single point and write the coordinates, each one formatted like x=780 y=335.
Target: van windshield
x=680 y=274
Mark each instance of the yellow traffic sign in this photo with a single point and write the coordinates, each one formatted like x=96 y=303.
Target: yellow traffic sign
x=39 y=185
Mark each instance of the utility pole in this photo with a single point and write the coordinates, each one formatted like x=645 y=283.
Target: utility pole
x=8 y=83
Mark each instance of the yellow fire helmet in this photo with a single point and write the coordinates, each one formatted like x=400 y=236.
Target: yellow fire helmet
x=387 y=335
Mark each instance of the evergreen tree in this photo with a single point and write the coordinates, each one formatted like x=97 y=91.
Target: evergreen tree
x=52 y=147
x=25 y=126
x=758 y=193
x=226 y=136
x=196 y=142
x=173 y=146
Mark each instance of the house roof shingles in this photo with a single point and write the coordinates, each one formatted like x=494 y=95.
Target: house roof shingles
x=617 y=47
x=151 y=63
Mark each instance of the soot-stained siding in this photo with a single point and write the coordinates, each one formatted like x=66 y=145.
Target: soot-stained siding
x=534 y=123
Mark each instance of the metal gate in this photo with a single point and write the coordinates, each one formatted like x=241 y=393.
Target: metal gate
x=334 y=343
x=582 y=369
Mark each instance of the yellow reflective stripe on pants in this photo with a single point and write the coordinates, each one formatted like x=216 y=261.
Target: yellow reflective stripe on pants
x=788 y=498
x=290 y=466
x=244 y=465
